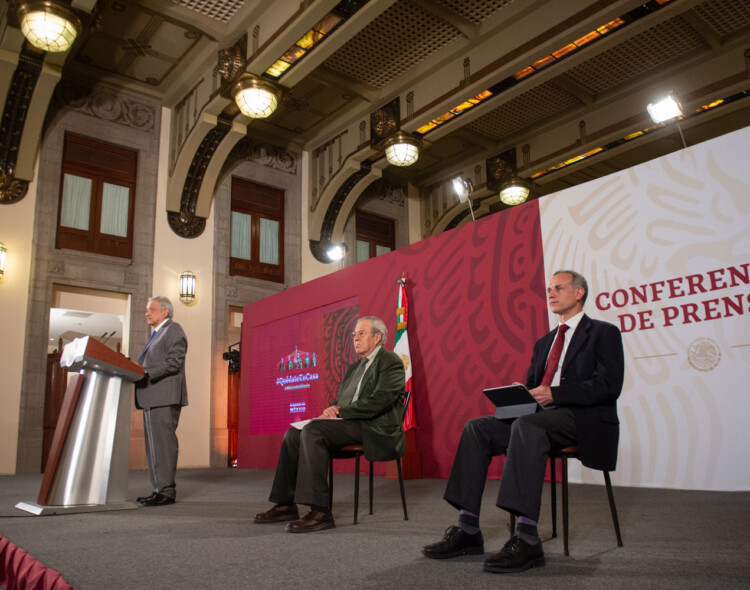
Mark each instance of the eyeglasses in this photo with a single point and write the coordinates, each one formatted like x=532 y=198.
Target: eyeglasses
x=359 y=333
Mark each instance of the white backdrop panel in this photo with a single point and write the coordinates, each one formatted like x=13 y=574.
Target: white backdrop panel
x=666 y=249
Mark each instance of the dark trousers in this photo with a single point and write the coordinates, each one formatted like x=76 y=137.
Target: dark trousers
x=160 y=431
x=302 y=470
x=526 y=441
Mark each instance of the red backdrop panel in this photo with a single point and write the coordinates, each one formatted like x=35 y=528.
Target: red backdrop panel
x=476 y=307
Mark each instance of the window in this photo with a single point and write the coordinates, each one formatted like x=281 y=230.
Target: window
x=375 y=235
x=257 y=231
x=97 y=196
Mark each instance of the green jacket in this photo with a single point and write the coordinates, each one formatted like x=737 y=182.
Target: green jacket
x=380 y=406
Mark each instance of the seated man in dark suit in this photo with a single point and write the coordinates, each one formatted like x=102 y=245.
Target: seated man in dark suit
x=371 y=403
x=576 y=374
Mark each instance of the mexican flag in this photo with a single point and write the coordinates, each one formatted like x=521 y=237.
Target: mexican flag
x=401 y=348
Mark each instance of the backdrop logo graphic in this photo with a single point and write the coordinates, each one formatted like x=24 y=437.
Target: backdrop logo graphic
x=299 y=359
x=704 y=354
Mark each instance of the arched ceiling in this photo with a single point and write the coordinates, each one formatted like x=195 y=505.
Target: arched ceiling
x=594 y=66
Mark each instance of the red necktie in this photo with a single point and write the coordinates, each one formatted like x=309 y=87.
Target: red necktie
x=554 y=356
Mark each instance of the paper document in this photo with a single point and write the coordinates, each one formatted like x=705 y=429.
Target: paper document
x=302 y=423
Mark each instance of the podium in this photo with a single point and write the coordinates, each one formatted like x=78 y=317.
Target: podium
x=87 y=468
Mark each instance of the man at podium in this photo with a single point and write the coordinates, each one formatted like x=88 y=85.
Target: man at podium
x=161 y=394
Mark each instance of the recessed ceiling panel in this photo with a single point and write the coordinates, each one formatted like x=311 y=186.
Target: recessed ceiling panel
x=220 y=10
x=638 y=56
x=137 y=43
x=401 y=38
x=532 y=107
x=475 y=11
x=724 y=17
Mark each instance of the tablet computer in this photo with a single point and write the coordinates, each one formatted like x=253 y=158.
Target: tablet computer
x=512 y=401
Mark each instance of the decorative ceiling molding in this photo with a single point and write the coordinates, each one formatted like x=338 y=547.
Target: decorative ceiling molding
x=107 y=104
x=185 y=223
x=12 y=124
x=320 y=247
x=271 y=156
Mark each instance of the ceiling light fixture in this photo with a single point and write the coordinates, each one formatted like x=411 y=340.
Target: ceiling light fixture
x=402 y=149
x=665 y=109
x=48 y=25
x=463 y=188
x=515 y=191
x=255 y=98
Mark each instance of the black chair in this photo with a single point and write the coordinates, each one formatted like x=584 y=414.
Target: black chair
x=355 y=452
x=565 y=454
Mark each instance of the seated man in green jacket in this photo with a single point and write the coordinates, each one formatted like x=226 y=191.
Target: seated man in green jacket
x=368 y=411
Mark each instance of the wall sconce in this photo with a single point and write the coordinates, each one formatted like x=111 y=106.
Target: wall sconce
x=255 y=98
x=48 y=25
x=515 y=191
x=402 y=149
x=463 y=188
x=3 y=252
x=187 y=287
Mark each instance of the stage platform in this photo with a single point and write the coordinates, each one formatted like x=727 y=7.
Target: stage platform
x=672 y=539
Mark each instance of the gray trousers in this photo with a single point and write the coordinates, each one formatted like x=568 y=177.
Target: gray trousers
x=526 y=441
x=302 y=470
x=159 y=427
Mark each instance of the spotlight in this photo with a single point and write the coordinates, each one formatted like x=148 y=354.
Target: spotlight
x=463 y=188
x=337 y=252
x=665 y=109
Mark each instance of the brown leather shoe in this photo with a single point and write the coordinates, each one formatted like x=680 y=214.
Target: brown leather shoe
x=278 y=513
x=312 y=521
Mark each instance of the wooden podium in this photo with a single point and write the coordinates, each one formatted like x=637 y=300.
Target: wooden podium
x=87 y=468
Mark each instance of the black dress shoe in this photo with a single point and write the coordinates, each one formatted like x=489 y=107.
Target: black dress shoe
x=315 y=520
x=516 y=556
x=158 y=500
x=142 y=499
x=279 y=513
x=455 y=542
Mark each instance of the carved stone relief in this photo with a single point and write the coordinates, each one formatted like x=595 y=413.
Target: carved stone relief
x=105 y=104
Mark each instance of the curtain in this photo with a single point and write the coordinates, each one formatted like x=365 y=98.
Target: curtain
x=241 y=234
x=269 y=241
x=76 y=202
x=115 y=204
x=363 y=250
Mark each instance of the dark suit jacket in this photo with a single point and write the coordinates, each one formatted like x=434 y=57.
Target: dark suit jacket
x=591 y=380
x=380 y=406
x=164 y=362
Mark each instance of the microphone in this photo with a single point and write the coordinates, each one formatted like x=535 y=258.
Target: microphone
x=108 y=337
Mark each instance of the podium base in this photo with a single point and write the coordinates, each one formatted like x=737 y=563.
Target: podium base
x=38 y=510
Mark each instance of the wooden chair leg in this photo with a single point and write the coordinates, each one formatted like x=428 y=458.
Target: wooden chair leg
x=612 y=507
x=553 y=493
x=371 y=470
x=356 y=487
x=401 y=485
x=565 y=503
